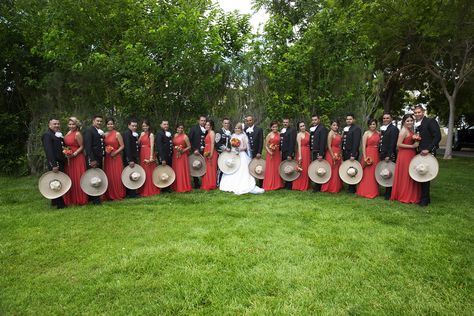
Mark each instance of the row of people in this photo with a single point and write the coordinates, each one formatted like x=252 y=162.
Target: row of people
x=112 y=151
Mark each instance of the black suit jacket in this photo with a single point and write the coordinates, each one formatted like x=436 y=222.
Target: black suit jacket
x=196 y=138
x=222 y=140
x=164 y=145
x=388 y=143
x=94 y=145
x=318 y=141
x=255 y=141
x=53 y=148
x=288 y=143
x=351 y=142
x=430 y=135
x=131 y=148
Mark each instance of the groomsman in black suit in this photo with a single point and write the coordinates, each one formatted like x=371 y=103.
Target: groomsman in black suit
x=131 y=154
x=164 y=144
x=318 y=141
x=287 y=145
x=52 y=141
x=430 y=134
x=94 y=147
x=196 y=136
x=388 y=144
x=223 y=142
x=351 y=143
x=255 y=135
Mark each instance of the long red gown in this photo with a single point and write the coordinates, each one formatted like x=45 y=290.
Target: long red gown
x=148 y=188
x=182 y=183
x=113 y=169
x=405 y=189
x=271 y=178
x=368 y=186
x=74 y=168
x=334 y=184
x=303 y=183
x=209 y=180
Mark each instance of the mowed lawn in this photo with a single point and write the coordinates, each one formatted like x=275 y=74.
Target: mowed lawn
x=215 y=253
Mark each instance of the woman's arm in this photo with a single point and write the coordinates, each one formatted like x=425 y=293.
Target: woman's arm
x=188 y=143
x=330 y=135
x=364 y=143
x=80 y=141
x=401 y=137
x=213 y=138
x=298 y=142
x=152 y=147
x=267 y=143
x=121 y=145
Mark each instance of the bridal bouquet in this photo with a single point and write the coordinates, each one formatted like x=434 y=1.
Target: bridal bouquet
x=235 y=142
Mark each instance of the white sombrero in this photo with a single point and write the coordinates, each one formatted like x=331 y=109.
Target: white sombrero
x=228 y=162
x=197 y=165
x=350 y=172
x=289 y=170
x=257 y=168
x=54 y=184
x=133 y=178
x=423 y=168
x=319 y=171
x=94 y=182
x=163 y=176
x=384 y=172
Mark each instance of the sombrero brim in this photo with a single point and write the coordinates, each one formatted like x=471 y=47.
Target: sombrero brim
x=313 y=171
x=221 y=162
x=385 y=182
x=430 y=161
x=158 y=182
x=86 y=185
x=292 y=176
x=45 y=180
x=129 y=183
x=254 y=163
x=197 y=172
x=343 y=172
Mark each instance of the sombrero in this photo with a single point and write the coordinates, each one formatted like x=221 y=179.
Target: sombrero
x=319 y=171
x=257 y=168
x=133 y=178
x=163 y=176
x=54 y=184
x=94 y=182
x=289 y=170
x=350 y=172
x=384 y=172
x=423 y=168
x=197 y=165
x=229 y=162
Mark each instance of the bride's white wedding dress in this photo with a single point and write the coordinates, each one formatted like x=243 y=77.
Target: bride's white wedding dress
x=240 y=182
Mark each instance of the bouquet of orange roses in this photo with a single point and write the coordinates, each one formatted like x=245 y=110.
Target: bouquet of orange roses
x=235 y=142
x=67 y=151
x=416 y=137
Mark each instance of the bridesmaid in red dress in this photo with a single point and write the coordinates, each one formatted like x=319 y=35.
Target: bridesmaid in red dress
x=180 y=163
x=209 y=180
x=272 y=179
x=303 y=157
x=76 y=164
x=147 y=160
x=368 y=186
x=113 y=165
x=334 y=157
x=405 y=189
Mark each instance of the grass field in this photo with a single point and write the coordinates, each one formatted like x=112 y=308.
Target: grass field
x=216 y=253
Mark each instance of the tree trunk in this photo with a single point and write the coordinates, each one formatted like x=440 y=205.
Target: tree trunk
x=449 y=142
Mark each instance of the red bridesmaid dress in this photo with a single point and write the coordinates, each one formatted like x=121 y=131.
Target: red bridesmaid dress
x=209 y=180
x=368 y=186
x=405 y=189
x=113 y=169
x=334 y=184
x=74 y=168
x=271 y=178
x=303 y=183
x=148 y=188
x=180 y=165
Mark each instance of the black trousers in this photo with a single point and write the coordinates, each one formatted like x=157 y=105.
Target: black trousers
x=425 y=193
x=58 y=202
x=388 y=193
x=95 y=199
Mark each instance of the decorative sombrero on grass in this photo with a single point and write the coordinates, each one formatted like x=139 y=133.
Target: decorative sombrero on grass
x=384 y=172
x=94 y=182
x=197 y=165
x=289 y=170
x=54 y=184
x=133 y=178
x=163 y=176
x=257 y=168
x=350 y=172
x=423 y=168
x=228 y=162
x=319 y=171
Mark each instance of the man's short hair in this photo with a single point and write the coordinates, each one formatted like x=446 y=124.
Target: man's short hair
x=132 y=120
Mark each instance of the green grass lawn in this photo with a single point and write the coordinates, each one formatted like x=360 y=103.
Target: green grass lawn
x=216 y=253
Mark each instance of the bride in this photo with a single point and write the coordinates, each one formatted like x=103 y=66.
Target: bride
x=240 y=182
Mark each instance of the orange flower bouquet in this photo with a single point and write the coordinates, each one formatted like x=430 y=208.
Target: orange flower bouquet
x=109 y=149
x=416 y=137
x=67 y=151
x=235 y=142
x=337 y=157
x=368 y=161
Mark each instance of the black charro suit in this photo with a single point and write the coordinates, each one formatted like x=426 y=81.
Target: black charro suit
x=318 y=143
x=131 y=153
x=350 y=146
x=288 y=145
x=164 y=146
x=222 y=140
x=94 y=146
x=388 y=148
x=53 y=148
x=196 y=138
x=430 y=138
x=255 y=140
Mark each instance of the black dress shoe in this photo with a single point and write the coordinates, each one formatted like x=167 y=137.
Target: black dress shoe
x=423 y=204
